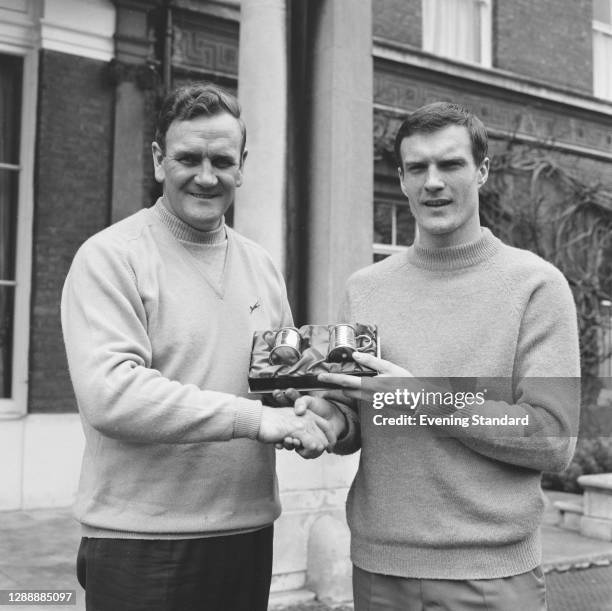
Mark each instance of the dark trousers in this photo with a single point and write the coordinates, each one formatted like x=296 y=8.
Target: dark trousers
x=229 y=573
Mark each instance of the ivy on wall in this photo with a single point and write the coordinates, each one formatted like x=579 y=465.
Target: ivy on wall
x=532 y=202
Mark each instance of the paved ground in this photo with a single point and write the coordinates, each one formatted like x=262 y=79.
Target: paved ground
x=37 y=551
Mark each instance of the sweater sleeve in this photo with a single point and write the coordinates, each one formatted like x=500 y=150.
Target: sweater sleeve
x=546 y=388
x=109 y=354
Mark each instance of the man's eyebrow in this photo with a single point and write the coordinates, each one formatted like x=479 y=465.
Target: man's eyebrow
x=453 y=159
x=413 y=160
x=185 y=150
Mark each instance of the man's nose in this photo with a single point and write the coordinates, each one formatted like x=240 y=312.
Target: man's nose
x=433 y=179
x=206 y=174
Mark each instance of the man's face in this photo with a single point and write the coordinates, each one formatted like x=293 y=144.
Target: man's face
x=201 y=168
x=441 y=181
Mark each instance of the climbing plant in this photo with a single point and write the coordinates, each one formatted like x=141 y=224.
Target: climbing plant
x=532 y=202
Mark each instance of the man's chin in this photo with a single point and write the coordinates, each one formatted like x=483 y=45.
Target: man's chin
x=209 y=220
x=441 y=228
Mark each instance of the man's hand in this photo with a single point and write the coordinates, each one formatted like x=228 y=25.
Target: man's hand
x=321 y=406
x=324 y=408
x=351 y=385
x=314 y=433
x=283 y=398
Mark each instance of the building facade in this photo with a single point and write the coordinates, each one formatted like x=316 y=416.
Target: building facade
x=324 y=85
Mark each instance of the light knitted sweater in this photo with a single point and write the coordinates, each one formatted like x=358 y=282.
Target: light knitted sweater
x=466 y=504
x=158 y=350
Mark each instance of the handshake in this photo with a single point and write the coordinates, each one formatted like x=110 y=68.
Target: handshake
x=311 y=426
x=315 y=422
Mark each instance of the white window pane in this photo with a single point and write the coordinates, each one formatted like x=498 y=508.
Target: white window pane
x=602 y=65
x=602 y=11
x=451 y=28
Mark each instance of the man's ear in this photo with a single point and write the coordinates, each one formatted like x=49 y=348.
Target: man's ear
x=241 y=168
x=401 y=179
x=158 y=157
x=483 y=172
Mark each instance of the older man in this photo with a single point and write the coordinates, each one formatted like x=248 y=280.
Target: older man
x=444 y=514
x=178 y=493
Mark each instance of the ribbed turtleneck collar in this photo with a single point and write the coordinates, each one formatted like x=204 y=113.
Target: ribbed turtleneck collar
x=455 y=257
x=184 y=232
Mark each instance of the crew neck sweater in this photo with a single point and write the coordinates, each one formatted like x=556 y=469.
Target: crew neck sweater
x=208 y=248
x=443 y=502
x=159 y=356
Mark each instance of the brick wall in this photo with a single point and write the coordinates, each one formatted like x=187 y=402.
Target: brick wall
x=548 y=40
x=71 y=202
x=398 y=20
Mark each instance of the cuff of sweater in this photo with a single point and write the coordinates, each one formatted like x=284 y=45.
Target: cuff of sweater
x=350 y=441
x=248 y=418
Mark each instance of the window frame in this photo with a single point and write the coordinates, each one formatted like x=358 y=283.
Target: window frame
x=381 y=248
x=486 y=36
x=15 y=406
x=601 y=27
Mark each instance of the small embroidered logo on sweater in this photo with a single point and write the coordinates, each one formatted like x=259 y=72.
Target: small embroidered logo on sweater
x=254 y=306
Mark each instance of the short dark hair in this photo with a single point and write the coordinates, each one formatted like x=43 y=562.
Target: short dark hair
x=438 y=115
x=192 y=101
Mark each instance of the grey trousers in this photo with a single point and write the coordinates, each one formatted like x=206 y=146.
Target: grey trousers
x=376 y=592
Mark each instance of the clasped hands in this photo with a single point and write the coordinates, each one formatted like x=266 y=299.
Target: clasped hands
x=315 y=423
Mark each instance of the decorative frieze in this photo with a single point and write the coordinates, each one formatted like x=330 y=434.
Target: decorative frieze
x=204 y=44
x=505 y=112
x=201 y=50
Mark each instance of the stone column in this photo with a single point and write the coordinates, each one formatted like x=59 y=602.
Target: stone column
x=341 y=153
x=262 y=89
x=133 y=76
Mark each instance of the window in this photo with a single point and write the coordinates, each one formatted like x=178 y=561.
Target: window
x=602 y=48
x=393 y=228
x=17 y=117
x=459 y=29
x=11 y=69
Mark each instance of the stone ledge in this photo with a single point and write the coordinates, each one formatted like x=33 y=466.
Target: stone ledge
x=568 y=506
x=598 y=481
x=569 y=514
x=596 y=528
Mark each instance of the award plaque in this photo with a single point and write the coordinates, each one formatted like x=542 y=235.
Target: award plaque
x=292 y=358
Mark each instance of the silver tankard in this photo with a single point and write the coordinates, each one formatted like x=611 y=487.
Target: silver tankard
x=343 y=341
x=286 y=346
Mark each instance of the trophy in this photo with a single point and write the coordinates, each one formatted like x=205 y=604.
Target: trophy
x=290 y=357
x=343 y=341
x=286 y=346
